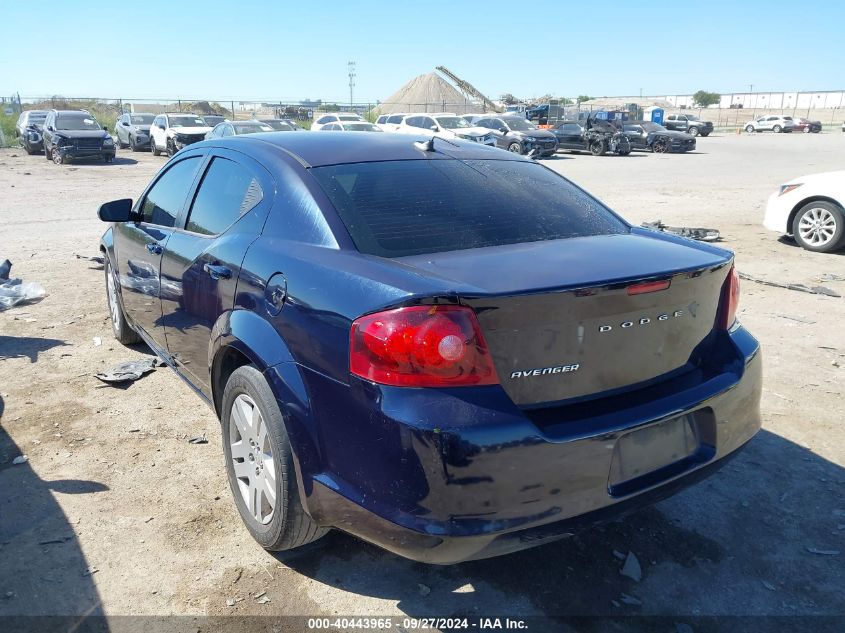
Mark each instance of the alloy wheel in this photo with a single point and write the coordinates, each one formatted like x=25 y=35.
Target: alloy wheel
x=57 y=157
x=817 y=226
x=253 y=462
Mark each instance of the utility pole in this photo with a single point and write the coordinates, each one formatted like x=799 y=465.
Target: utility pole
x=352 y=75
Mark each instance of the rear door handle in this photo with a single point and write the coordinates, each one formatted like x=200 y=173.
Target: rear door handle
x=216 y=271
x=154 y=248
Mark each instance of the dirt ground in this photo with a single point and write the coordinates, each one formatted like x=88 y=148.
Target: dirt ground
x=116 y=513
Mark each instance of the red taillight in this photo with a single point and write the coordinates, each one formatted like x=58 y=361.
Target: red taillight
x=728 y=301
x=648 y=286
x=421 y=346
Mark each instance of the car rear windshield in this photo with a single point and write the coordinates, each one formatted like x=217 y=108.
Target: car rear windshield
x=37 y=117
x=402 y=208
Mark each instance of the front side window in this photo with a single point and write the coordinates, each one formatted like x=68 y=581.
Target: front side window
x=228 y=190
x=452 y=122
x=165 y=199
x=396 y=118
x=412 y=207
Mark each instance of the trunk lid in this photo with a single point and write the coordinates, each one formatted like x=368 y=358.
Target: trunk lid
x=559 y=319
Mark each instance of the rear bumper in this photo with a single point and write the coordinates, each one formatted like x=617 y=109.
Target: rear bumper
x=442 y=476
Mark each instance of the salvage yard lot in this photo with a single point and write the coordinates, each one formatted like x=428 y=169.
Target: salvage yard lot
x=116 y=513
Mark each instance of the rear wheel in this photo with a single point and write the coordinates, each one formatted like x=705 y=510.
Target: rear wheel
x=122 y=332
x=749 y=128
x=820 y=227
x=259 y=463
x=693 y=131
x=515 y=147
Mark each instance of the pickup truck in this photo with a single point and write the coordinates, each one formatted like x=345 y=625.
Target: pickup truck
x=688 y=123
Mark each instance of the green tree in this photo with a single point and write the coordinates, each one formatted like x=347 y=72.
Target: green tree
x=702 y=98
x=582 y=98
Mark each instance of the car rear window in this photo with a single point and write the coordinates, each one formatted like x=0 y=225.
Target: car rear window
x=402 y=208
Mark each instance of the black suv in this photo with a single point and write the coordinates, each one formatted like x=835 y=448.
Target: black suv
x=590 y=134
x=73 y=134
x=28 y=130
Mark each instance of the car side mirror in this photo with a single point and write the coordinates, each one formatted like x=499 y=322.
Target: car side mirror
x=50 y=128
x=433 y=128
x=503 y=130
x=116 y=210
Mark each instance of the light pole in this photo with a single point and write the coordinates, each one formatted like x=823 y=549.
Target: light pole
x=352 y=75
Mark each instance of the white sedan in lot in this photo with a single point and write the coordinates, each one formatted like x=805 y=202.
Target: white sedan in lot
x=811 y=209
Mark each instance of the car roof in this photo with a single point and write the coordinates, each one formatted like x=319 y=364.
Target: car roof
x=185 y=114
x=333 y=148
x=35 y=112
x=72 y=112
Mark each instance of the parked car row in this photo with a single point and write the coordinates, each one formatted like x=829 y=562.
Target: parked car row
x=779 y=124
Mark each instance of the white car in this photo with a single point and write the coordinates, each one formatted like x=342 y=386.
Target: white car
x=812 y=210
x=334 y=117
x=774 y=123
x=172 y=131
x=445 y=125
x=351 y=126
x=390 y=122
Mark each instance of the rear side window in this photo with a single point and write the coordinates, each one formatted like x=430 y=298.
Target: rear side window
x=401 y=208
x=228 y=190
x=165 y=199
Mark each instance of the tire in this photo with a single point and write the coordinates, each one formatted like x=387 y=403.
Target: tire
x=154 y=148
x=777 y=129
x=820 y=227
x=624 y=152
x=171 y=149
x=515 y=147
x=133 y=145
x=597 y=148
x=661 y=146
x=749 y=129
x=57 y=157
x=121 y=329
x=693 y=131
x=281 y=524
x=107 y=158
x=705 y=134
x=807 y=130
x=47 y=153
x=28 y=148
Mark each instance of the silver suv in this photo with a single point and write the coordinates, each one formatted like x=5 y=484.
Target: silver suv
x=773 y=123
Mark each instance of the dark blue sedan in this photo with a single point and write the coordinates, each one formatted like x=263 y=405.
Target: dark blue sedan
x=443 y=348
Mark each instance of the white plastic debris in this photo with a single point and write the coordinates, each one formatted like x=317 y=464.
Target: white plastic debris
x=632 y=568
x=20 y=459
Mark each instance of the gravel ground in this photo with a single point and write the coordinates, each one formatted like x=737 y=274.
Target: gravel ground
x=115 y=513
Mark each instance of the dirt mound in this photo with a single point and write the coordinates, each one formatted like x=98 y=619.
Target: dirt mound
x=426 y=93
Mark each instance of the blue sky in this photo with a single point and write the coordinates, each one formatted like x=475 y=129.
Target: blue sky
x=254 y=49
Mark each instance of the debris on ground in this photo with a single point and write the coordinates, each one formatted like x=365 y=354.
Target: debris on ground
x=230 y=602
x=90 y=571
x=200 y=439
x=695 y=233
x=815 y=290
x=129 y=370
x=626 y=599
x=14 y=292
x=98 y=260
x=424 y=589
x=261 y=598
x=20 y=459
x=796 y=318
x=632 y=568
x=823 y=552
x=831 y=277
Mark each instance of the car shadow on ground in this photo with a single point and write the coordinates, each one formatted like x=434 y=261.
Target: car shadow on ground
x=25 y=346
x=44 y=571
x=737 y=543
x=788 y=240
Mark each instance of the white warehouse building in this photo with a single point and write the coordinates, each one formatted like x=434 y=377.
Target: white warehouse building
x=770 y=100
